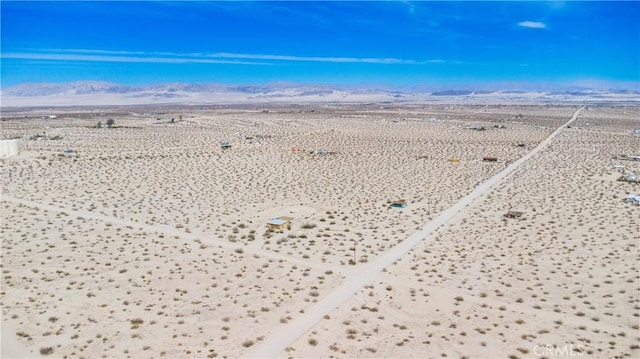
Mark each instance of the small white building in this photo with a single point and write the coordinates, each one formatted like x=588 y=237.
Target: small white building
x=69 y=153
x=633 y=199
x=9 y=148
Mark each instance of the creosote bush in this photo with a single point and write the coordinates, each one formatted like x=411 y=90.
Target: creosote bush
x=46 y=350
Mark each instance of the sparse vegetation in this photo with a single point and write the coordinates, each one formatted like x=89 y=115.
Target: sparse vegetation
x=46 y=350
x=83 y=265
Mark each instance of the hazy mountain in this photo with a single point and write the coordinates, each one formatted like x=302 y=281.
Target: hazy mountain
x=99 y=92
x=452 y=93
x=68 y=88
x=101 y=87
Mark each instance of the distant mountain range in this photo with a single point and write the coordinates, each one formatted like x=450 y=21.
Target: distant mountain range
x=100 y=87
x=98 y=92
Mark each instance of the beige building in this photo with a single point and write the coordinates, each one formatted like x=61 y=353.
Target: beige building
x=279 y=224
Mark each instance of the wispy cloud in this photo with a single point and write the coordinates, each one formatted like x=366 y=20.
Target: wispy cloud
x=121 y=58
x=532 y=24
x=369 y=60
x=205 y=58
x=410 y=7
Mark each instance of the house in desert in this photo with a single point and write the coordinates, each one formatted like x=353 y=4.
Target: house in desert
x=9 y=148
x=225 y=145
x=69 y=153
x=513 y=214
x=399 y=204
x=629 y=178
x=633 y=199
x=279 y=224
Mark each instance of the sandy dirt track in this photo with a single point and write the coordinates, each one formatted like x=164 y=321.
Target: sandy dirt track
x=274 y=346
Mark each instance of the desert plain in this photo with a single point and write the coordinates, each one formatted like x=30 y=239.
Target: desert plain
x=148 y=239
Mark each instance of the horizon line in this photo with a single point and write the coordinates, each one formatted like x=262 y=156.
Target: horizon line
x=498 y=85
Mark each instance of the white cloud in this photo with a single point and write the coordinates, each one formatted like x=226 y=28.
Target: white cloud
x=532 y=24
x=211 y=58
x=370 y=60
x=127 y=58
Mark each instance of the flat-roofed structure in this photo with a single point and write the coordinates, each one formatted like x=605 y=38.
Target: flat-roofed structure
x=9 y=148
x=279 y=224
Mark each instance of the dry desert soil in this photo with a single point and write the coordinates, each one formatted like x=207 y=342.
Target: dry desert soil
x=149 y=240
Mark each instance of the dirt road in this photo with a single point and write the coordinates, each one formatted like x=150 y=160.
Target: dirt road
x=275 y=345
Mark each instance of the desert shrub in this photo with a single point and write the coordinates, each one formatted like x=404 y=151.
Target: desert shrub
x=135 y=323
x=46 y=350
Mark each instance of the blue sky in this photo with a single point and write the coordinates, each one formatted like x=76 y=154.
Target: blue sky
x=395 y=43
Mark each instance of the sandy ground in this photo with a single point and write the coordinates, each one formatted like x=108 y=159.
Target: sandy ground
x=273 y=346
x=151 y=241
x=562 y=281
